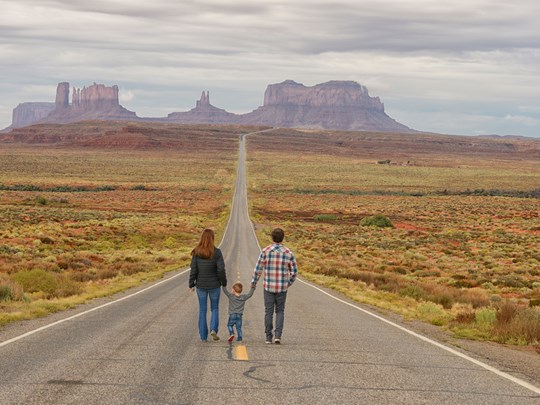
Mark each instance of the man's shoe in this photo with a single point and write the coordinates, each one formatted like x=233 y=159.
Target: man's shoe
x=268 y=342
x=214 y=336
x=277 y=341
x=230 y=339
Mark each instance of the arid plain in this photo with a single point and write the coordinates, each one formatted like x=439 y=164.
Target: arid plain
x=91 y=208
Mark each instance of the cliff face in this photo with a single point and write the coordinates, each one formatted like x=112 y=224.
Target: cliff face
x=28 y=113
x=330 y=94
x=341 y=105
x=96 y=102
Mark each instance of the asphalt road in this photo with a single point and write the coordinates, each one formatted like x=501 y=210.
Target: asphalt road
x=144 y=349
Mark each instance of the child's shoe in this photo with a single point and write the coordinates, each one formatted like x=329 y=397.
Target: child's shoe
x=231 y=338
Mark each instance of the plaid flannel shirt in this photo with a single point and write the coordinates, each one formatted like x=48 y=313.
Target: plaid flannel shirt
x=279 y=266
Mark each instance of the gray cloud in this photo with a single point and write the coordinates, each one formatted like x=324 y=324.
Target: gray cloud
x=456 y=57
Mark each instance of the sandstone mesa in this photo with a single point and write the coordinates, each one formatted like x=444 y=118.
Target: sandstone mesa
x=339 y=105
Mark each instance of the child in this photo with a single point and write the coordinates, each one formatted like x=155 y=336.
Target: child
x=237 y=300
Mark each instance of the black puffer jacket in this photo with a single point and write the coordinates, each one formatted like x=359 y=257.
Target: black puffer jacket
x=208 y=273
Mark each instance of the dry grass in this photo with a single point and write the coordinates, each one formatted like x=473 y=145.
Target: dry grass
x=453 y=244
x=78 y=222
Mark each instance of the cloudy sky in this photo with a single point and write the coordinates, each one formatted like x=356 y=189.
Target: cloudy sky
x=467 y=67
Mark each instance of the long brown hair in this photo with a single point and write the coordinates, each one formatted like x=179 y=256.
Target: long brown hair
x=205 y=248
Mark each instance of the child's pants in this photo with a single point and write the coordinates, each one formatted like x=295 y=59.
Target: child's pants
x=235 y=320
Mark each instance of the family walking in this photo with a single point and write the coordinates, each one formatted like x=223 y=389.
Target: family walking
x=208 y=276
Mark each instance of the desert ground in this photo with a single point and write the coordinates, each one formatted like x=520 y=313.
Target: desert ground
x=440 y=229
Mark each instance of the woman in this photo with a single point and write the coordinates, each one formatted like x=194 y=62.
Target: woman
x=208 y=275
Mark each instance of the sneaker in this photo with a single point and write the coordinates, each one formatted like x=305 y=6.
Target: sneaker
x=268 y=342
x=231 y=338
x=214 y=335
x=277 y=341
x=239 y=339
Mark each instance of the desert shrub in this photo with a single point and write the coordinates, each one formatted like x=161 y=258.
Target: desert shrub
x=485 y=317
x=325 y=217
x=413 y=291
x=523 y=328
x=534 y=302
x=83 y=276
x=433 y=313
x=428 y=273
x=506 y=312
x=10 y=291
x=463 y=313
x=36 y=280
x=476 y=297
x=377 y=220
x=46 y=240
x=66 y=287
x=129 y=268
x=441 y=294
x=106 y=273
x=41 y=200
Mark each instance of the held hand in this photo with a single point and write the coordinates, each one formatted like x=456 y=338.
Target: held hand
x=192 y=289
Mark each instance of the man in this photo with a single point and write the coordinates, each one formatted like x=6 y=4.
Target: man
x=280 y=270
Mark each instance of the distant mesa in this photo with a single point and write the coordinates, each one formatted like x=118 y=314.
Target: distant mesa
x=96 y=102
x=29 y=113
x=339 y=105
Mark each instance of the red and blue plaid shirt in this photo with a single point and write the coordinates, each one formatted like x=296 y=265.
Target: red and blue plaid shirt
x=279 y=266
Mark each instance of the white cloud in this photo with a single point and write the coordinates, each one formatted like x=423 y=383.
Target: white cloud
x=525 y=120
x=125 y=95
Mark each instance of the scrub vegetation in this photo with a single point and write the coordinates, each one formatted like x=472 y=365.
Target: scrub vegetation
x=447 y=230
x=82 y=222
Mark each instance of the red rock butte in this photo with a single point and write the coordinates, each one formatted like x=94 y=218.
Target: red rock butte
x=339 y=105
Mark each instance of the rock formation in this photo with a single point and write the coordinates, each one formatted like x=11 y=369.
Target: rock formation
x=204 y=113
x=28 y=113
x=96 y=102
x=341 y=105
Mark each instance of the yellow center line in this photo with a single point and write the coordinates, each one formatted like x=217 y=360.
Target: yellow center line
x=240 y=352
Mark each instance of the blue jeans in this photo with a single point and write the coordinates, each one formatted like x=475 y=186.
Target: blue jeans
x=203 y=295
x=274 y=302
x=235 y=320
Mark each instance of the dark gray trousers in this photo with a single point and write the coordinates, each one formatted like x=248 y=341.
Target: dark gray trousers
x=274 y=302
